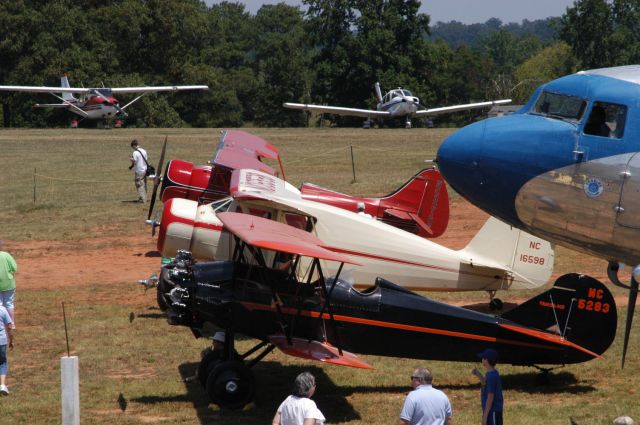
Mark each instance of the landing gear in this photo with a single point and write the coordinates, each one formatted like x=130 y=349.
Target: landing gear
x=367 y=124
x=407 y=123
x=231 y=384
x=227 y=376
x=207 y=364
x=495 y=304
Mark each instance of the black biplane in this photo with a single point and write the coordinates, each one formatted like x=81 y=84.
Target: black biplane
x=273 y=289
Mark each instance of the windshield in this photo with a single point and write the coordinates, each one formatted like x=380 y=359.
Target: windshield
x=221 y=205
x=559 y=106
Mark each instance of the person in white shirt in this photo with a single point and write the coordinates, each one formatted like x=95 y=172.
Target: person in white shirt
x=425 y=405
x=298 y=408
x=139 y=161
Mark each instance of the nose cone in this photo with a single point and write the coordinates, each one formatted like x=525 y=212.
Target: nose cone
x=459 y=157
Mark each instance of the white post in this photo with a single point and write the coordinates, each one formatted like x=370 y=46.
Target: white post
x=70 y=390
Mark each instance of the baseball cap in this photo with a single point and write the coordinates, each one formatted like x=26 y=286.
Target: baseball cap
x=489 y=354
x=219 y=336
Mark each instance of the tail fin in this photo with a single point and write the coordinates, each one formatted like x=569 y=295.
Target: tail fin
x=502 y=246
x=422 y=201
x=578 y=307
x=64 y=83
x=378 y=91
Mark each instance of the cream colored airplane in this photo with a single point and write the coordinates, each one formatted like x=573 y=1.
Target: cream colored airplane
x=499 y=257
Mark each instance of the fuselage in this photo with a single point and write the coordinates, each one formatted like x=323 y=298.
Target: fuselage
x=96 y=107
x=383 y=250
x=399 y=103
x=564 y=167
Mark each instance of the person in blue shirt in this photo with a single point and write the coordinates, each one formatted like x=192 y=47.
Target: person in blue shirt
x=491 y=390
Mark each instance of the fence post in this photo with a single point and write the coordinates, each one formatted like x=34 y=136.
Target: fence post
x=353 y=165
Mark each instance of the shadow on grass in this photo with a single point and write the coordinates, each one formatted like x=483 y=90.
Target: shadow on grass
x=153 y=254
x=535 y=383
x=274 y=382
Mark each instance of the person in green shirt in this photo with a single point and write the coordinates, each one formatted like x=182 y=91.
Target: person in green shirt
x=8 y=267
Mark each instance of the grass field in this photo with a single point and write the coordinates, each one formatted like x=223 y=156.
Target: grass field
x=83 y=189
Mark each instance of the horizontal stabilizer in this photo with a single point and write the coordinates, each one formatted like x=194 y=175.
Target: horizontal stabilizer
x=316 y=350
x=52 y=105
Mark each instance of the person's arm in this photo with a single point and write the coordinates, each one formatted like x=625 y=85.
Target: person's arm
x=309 y=421
x=487 y=408
x=448 y=421
x=403 y=422
x=276 y=419
x=479 y=374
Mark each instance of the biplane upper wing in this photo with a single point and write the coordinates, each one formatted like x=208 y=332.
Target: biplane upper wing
x=239 y=149
x=268 y=234
x=337 y=110
x=455 y=108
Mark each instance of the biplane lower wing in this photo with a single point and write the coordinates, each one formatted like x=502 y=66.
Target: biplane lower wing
x=316 y=350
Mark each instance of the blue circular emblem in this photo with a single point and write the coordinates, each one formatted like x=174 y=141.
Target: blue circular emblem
x=593 y=187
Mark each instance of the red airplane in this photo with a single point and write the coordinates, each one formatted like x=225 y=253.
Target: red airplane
x=420 y=206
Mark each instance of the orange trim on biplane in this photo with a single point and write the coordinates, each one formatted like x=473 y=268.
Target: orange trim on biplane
x=422 y=329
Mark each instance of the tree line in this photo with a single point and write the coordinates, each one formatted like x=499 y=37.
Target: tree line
x=328 y=51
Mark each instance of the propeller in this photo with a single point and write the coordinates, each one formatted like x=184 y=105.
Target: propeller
x=631 y=307
x=157 y=178
x=612 y=273
x=114 y=104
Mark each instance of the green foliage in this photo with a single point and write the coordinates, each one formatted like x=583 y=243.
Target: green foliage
x=330 y=53
x=587 y=27
x=550 y=63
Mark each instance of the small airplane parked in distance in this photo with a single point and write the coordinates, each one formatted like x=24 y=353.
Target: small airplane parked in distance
x=397 y=103
x=94 y=103
x=310 y=311
x=565 y=167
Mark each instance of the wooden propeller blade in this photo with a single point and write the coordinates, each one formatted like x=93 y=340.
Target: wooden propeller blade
x=156 y=178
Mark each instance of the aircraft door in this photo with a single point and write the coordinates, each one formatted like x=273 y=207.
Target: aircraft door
x=629 y=206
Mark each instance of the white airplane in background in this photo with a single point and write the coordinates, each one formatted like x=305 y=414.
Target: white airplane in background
x=93 y=103
x=396 y=103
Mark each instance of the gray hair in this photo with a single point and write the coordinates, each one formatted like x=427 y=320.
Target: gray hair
x=303 y=384
x=424 y=375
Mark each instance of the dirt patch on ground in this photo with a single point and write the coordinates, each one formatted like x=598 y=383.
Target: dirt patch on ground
x=104 y=259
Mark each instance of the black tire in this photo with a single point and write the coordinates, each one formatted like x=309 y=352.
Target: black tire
x=207 y=364
x=231 y=385
x=495 y=304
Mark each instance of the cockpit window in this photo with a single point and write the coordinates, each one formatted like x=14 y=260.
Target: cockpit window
x=606 y=120
x=407 y=93
x=561 y=106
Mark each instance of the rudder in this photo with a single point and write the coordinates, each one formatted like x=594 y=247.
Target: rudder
x=578 y=307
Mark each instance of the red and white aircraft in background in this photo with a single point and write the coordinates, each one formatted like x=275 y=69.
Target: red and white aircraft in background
x=94 y=103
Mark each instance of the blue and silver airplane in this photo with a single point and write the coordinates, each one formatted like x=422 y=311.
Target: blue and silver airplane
x=565 y=167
